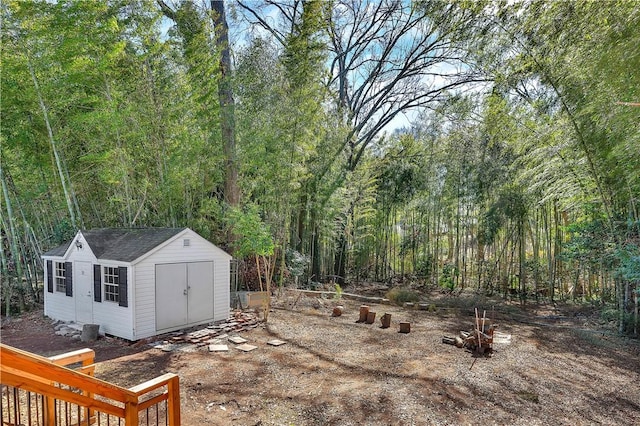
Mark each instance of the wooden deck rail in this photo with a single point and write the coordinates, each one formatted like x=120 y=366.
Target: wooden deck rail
x=62 y=396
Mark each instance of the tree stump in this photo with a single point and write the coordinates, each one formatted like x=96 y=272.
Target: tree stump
x=89 y=332
x=385 y=320
x=371 y=317
x=364 y=311
x=337 y=311
x=405 y=327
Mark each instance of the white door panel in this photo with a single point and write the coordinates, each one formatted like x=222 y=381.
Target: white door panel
x=200 y=290
x=184 y=294
x=171 y=295
x=83 y=292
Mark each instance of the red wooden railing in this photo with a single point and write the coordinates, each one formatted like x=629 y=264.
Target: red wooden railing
x=45 y=392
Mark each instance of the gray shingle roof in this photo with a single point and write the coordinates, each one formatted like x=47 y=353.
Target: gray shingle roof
x=121 y=244
x=57 y=251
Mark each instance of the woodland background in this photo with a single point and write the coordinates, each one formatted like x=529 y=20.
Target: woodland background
x=486 y=146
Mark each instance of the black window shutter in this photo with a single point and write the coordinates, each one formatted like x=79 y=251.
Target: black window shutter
x=97 y=283
x=50 y=276
x=68 y=278
x=122 y=286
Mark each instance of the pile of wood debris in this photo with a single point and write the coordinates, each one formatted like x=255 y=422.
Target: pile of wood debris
x=239 y=321
x=479 y=339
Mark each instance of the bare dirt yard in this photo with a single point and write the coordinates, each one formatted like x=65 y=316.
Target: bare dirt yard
x=561 y=367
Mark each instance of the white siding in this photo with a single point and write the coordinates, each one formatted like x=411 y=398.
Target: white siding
x=221 y=305
x=57 y=305
x=199 y=250
x=114 y=319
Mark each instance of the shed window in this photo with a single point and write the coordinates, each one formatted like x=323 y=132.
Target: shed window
x=111 y=284
x=59 y=277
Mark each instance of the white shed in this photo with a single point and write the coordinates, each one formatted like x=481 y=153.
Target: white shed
x=137 y=283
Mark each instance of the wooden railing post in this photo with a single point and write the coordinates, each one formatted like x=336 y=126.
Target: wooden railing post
x=86 y=363
x=49 y=411
x=173 y=403
x=131 y=414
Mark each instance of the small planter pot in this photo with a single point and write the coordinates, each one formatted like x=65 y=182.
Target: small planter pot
x=385 y=320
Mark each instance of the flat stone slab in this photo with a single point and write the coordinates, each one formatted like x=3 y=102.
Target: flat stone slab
x=218 y=348
x=504 y=339
x=237 y=339
x=171 y=347
x=276 y=342
x=245 y=347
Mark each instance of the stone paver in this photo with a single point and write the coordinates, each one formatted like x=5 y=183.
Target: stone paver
x=246 y=347
x=218 y=348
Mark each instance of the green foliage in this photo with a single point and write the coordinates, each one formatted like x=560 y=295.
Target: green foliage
x=629 y=263
x=449 y=276
x=609 y=314
x=424 y=266
x=589 y=242
x=400 y=295
x=62 y=232
x=297 y=263
x=254 y=236
x=338 y=290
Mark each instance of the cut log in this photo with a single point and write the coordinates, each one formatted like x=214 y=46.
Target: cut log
x=456 y=341
x=337 y=311
x=364 y=311
x=371 y=317
x=405 y=327
x=385 y=320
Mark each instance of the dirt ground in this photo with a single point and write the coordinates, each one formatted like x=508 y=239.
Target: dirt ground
x=562 y=367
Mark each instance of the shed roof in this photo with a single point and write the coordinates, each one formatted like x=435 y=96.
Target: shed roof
x=121 y=244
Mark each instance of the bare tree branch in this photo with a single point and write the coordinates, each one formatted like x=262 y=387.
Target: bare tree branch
x=166 y=10
x=387 y=57
x=263 y=23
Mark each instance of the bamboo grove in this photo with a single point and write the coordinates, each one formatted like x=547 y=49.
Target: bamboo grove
x=473 y=146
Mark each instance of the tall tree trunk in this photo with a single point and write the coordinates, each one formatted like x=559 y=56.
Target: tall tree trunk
x=227 y=105
x=339 y=269
x=315 y=248
x=522 y=258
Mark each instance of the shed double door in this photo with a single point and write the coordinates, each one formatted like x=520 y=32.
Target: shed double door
x=184 y=294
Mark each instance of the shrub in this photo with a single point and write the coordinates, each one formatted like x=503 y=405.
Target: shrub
x=449 y=276
x=609 y=314
x=401 y=295
x=338 y=295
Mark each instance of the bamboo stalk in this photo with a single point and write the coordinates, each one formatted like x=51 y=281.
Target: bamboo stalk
x=65 y=185
x=478 y=329
x=484 y=314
